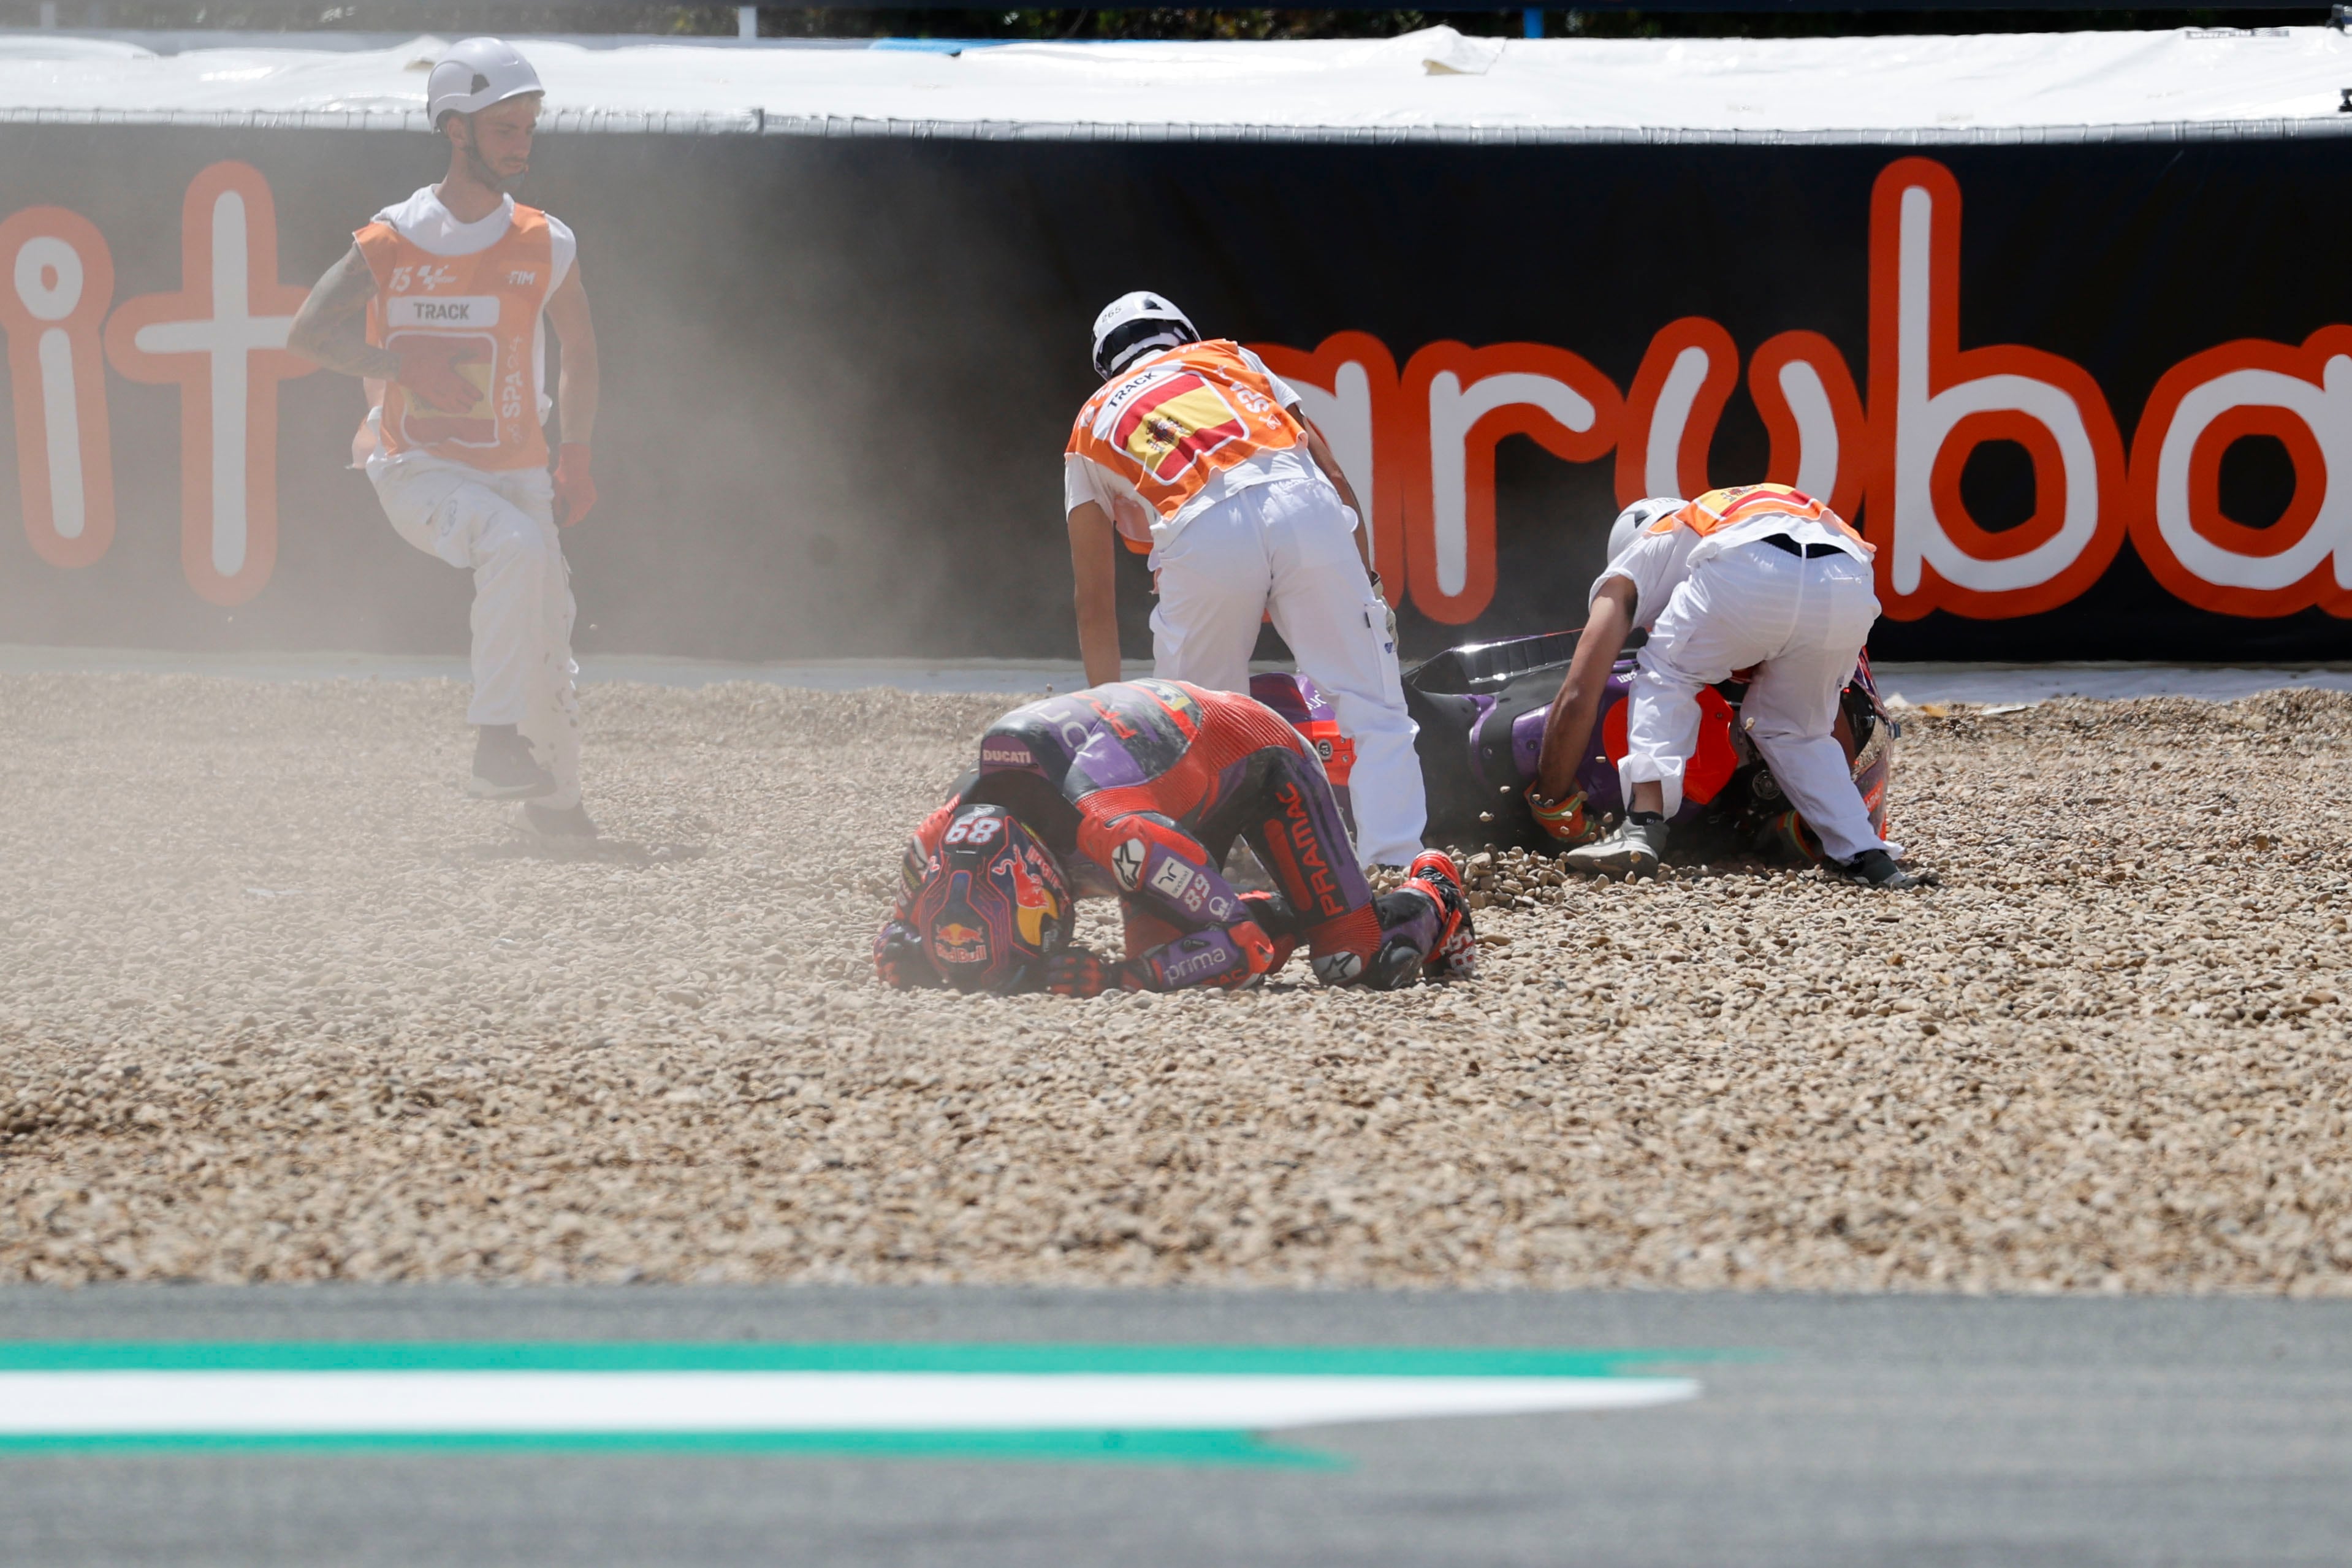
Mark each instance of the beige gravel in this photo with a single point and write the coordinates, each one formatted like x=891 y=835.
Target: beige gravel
x=279 y=1004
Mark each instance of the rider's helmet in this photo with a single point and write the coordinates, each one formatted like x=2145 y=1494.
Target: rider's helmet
x=1637 y=517
x=476 y=74
x=1134 y=325
x=993 y=903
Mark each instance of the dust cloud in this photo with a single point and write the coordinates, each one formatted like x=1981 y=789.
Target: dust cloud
x=282 y=1004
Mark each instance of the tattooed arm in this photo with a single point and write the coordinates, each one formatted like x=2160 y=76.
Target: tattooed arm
x=331 y=328
x=331 y=325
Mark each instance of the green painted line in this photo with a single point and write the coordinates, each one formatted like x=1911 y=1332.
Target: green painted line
x=621 y=1355
x=1185 y=1447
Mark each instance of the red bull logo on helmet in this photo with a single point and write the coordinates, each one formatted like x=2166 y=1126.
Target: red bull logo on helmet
x=1034 y=902
x=995 y=905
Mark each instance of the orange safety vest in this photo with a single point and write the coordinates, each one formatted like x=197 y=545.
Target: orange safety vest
x=1718 y=510
x=491 y=300
x=1176 y=421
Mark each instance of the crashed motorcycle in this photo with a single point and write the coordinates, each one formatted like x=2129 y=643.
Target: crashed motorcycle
x=1482 y=706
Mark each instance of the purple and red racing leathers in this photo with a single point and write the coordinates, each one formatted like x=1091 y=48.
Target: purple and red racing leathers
x=1141 y=788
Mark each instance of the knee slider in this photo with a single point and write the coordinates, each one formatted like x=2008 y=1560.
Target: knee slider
x=1225 y=958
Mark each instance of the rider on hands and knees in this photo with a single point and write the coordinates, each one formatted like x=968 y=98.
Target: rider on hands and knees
x=1139 y=789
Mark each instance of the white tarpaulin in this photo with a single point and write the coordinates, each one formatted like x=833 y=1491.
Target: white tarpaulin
x=1432 y=85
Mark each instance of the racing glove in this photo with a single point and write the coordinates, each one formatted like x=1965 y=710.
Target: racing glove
x=1273 y=917
x=1079 y=972
x=575 y=491
x=898 y=957
x=1563 y=819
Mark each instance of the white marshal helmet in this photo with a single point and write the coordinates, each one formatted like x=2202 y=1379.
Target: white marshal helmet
x=1135 y=324
x=476 y=74
x=1637 y=517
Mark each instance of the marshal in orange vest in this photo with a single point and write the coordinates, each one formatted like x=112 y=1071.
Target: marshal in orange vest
x=490 y=303
x=1718 y=510
x=1173 y=422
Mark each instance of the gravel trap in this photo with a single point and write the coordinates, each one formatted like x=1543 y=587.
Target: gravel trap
x=281 y=1005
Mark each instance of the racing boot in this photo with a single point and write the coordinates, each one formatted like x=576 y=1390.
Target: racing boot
x=1424 y=930
x=1877 y=868
x=1631 y=852
x=1457 y=951
x=504 y=768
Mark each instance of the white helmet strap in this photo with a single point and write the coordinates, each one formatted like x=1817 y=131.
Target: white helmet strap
x=1142 y=346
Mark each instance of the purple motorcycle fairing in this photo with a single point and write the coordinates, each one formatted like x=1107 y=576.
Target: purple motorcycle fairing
x=1596 y=776
x=1298 y=700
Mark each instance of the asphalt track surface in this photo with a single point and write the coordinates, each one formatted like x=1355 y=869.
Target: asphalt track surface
x=1930 y=1432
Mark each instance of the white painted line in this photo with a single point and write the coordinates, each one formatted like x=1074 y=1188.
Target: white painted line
x=83 y=1403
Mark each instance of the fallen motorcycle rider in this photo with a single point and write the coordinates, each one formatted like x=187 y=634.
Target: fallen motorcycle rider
x=1139 y=790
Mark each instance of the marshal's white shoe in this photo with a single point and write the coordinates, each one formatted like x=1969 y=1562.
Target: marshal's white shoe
x=1632 y=852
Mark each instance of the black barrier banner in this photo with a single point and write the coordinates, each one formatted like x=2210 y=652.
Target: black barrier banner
x=2086 y=401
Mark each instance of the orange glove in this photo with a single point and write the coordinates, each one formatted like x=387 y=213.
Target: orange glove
x=428 y=370
x=1564 y=820
x=575 y=491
